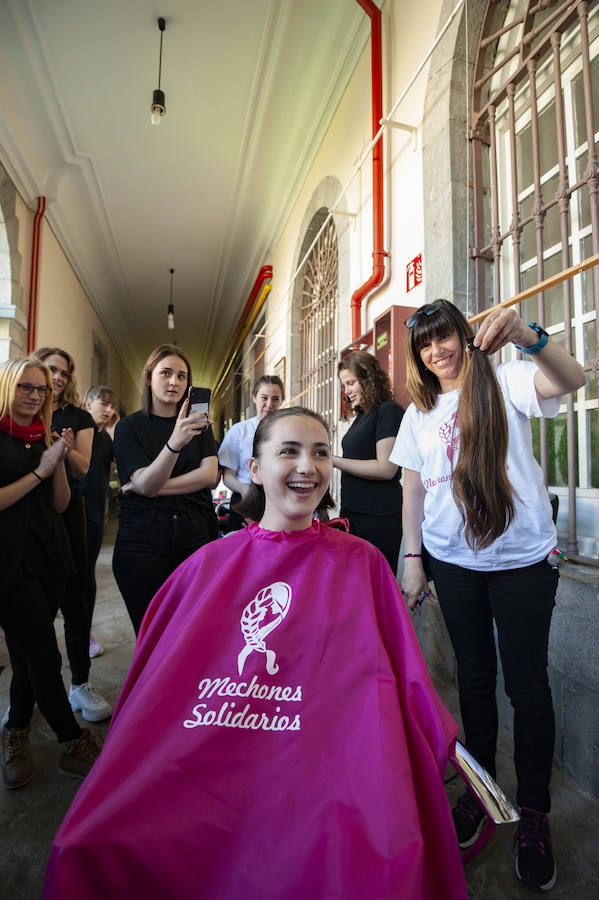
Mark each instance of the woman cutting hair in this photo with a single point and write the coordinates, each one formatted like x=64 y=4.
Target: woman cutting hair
x=167 y=464
x=474 y=496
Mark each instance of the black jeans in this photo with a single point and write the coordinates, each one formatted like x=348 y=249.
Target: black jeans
x=521 y=602
x=74 y=604
x=95 y=536
x=27 y=612
x=151 y=546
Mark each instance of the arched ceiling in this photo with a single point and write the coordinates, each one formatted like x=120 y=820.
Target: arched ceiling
x=251 y=86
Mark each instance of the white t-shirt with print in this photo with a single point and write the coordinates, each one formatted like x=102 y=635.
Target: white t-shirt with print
x=235 y=451
x=428 y=443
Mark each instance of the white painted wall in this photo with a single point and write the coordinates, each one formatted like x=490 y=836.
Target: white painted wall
x=408 y=32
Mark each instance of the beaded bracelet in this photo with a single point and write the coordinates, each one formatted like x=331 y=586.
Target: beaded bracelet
x=171 y=449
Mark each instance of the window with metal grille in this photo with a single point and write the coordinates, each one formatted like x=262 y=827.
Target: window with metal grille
x=536 y=179
x=320 y=278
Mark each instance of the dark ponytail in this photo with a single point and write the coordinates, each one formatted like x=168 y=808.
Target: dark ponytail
x=481 y=488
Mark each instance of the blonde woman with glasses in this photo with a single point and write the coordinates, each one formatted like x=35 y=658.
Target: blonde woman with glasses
x=34 y=491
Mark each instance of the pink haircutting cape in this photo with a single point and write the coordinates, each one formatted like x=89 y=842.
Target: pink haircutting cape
x=277 y=738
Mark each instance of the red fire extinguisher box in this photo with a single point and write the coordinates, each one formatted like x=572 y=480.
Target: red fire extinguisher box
x=389 y=346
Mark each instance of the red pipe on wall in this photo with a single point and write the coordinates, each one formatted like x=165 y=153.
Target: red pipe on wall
x=378 y=252
x=34 y=274
x=263 y=275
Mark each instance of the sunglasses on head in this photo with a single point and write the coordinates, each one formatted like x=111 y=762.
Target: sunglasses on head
x=429 y=309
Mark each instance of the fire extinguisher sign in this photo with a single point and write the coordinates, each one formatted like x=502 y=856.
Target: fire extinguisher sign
x=414 y=273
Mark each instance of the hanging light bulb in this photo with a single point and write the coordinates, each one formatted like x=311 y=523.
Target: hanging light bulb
x=170 y=316
x=158 y=98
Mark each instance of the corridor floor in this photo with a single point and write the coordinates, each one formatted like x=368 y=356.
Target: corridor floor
x=29 y=817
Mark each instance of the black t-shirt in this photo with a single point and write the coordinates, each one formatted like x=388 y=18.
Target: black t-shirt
x=365 y=495
x=78 y=419
x=95 y=483
x=138 y=440
x=32 y=534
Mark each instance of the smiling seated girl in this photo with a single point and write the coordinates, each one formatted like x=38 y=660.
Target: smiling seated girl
x=278 y=736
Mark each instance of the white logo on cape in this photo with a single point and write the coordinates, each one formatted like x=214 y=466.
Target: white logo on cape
x=274 y=599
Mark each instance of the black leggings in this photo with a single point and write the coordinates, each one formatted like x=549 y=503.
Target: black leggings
x=382 y=531
x=151 y=546
x=521 y=602
x=95 y=535
x=74 y=604
x=27 y=614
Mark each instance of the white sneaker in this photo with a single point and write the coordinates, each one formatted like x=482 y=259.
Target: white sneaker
x=95 y=649
x=89 y=700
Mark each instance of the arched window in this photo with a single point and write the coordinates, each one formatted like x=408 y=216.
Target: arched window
x=536 y=181
x=318 y=351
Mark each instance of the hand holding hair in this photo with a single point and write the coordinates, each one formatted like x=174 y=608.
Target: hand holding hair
x=503 y=326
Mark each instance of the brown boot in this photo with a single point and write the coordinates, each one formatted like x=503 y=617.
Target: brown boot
x=17 y=762
x=79 y=755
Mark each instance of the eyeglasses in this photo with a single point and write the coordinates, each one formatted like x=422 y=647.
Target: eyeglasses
x=429 y=309
x=29 y=389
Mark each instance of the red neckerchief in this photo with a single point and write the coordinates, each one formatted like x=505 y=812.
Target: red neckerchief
x=29 y=434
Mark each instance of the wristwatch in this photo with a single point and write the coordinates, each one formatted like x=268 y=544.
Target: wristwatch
x=542 y=342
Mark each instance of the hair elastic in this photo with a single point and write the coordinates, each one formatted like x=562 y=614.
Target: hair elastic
x=412 y=555
x=171 y=449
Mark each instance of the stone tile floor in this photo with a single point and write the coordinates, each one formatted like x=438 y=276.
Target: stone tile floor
x=29 y=817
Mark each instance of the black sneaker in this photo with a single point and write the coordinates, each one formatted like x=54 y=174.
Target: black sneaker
x=535 y=866
x=469 y=820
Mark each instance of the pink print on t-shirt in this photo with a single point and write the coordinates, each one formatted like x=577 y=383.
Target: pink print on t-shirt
x=449 y=432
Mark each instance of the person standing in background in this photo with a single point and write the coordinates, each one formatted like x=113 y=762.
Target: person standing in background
x=101 y=403
x=66 y=413
x=167 y=466
x=236 y=448
x=370 y=487
x=37 y=560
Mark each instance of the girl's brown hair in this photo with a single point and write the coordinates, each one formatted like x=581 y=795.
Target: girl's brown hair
x=100 y=392
x=481 y=488
x=254 y=503
x=152 y=361
x=269 y=379
x=11 y=373
x=70 y=395
x=374 y=381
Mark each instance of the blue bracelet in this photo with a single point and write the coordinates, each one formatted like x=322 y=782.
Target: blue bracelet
x=542 y=342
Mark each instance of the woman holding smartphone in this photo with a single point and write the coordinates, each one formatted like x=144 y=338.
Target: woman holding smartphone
x=167 y=465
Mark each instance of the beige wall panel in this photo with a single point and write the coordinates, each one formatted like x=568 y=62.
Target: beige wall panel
x=67 y=319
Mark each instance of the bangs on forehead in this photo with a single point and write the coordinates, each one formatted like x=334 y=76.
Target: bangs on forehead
x=439 y=324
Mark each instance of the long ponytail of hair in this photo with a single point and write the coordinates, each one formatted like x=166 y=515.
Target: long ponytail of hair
x=481 y=488
x=482 y=491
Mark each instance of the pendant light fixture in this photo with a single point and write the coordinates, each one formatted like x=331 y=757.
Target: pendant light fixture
x=158 y=99
x=170 y=316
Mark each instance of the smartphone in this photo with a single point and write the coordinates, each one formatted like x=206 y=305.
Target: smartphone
x=199 y=400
